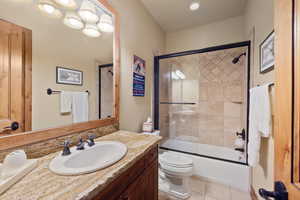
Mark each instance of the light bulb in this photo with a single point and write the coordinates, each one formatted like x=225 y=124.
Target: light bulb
x=91 y=30
x=73 y=21
x=48 y=8
x=174 y=76
x=87 y=12
x=180 y=74
x=194 y=6
x=64 y=1
x=105 y=24
x=70 y=4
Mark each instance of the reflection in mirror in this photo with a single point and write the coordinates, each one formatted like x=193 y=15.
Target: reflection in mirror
x=64 y=42
x=106 y=93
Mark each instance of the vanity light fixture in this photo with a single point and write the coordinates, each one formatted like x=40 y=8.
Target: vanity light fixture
x=106 y=24
x=91 y=30
x=72 y=20
x=194 y=6
x=87 y=12
x=70 y=4
x=49 y=7
x=180 y=74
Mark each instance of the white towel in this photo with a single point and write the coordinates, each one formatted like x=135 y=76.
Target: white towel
x=65 y=102
x=260 y=121
x=80 y=107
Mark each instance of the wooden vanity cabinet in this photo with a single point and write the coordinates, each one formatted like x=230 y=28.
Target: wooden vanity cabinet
x=139 y=182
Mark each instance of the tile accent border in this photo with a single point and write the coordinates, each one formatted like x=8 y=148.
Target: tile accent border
x=50 y=146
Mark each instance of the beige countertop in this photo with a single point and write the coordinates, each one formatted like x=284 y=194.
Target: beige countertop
x=43 y=184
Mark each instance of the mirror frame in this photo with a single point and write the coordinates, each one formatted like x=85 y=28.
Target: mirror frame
x=30 y=137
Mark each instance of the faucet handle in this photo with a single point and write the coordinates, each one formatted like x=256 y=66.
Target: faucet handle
x=66 y=150
x=66 y=143
x=91 y=138
x=80 y=145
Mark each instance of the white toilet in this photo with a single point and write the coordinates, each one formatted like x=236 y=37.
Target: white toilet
x=174 y=173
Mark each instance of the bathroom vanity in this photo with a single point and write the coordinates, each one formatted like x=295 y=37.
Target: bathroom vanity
x=134 y=177
x=139 y=182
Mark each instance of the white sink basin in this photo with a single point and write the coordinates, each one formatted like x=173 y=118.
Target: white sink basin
x=101 y=155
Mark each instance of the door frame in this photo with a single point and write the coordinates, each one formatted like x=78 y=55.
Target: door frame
x=100 y=91
x=286 y=116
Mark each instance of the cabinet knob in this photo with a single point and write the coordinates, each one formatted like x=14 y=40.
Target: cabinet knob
x=14 y=126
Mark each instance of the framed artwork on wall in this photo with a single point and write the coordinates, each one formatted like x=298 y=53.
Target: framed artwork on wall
x=139 y=73
x=69 y=76
x=267 y=57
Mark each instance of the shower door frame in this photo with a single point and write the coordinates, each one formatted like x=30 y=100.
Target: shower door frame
x=156 y=101
x=100 y=67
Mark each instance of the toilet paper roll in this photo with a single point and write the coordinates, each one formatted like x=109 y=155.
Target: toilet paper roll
x=12 y=162
x=239 y=143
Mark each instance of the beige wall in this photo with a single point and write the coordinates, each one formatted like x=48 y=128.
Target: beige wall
x=222 y=32
x=54 y=44
x=140 y=36
x=259 y=22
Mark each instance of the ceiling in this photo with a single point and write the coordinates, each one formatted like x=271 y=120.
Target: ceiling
x=174 y=15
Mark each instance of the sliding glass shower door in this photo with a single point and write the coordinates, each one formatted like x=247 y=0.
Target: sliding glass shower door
x=202 y=102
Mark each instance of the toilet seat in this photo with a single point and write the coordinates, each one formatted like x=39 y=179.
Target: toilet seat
x=176 y=165
x=174 y=160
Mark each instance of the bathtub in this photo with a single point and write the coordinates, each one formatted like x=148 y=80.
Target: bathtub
x=235 y=174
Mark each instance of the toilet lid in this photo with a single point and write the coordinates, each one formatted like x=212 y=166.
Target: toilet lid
x=176 y=160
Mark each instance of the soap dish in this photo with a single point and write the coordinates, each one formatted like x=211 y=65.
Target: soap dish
x=6 y=183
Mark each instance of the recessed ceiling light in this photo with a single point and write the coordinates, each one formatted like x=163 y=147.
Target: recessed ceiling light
x=194 y=6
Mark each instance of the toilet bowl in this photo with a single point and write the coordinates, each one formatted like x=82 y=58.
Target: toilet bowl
x=174 y=173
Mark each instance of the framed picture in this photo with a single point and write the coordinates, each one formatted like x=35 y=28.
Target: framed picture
x=69 y=76
x=267 y=57
x=139 y=73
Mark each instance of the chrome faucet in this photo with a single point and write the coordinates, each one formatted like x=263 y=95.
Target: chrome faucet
x=66 y=150
x=91 y=138
x=80 y=145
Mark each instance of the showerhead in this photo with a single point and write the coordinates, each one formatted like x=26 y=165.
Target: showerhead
x=237 y=59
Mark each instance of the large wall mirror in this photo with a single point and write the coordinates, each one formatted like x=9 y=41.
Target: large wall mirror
x=56 y=64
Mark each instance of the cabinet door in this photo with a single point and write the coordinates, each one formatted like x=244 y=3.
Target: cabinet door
x=136 y=191
x=151 y=182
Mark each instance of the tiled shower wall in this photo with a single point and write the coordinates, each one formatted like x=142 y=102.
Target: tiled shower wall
x=218 y=89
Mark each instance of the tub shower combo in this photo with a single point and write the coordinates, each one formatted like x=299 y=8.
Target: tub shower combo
x=201 y=109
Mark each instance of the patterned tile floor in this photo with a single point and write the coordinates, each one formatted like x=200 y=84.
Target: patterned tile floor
x=205 y=190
